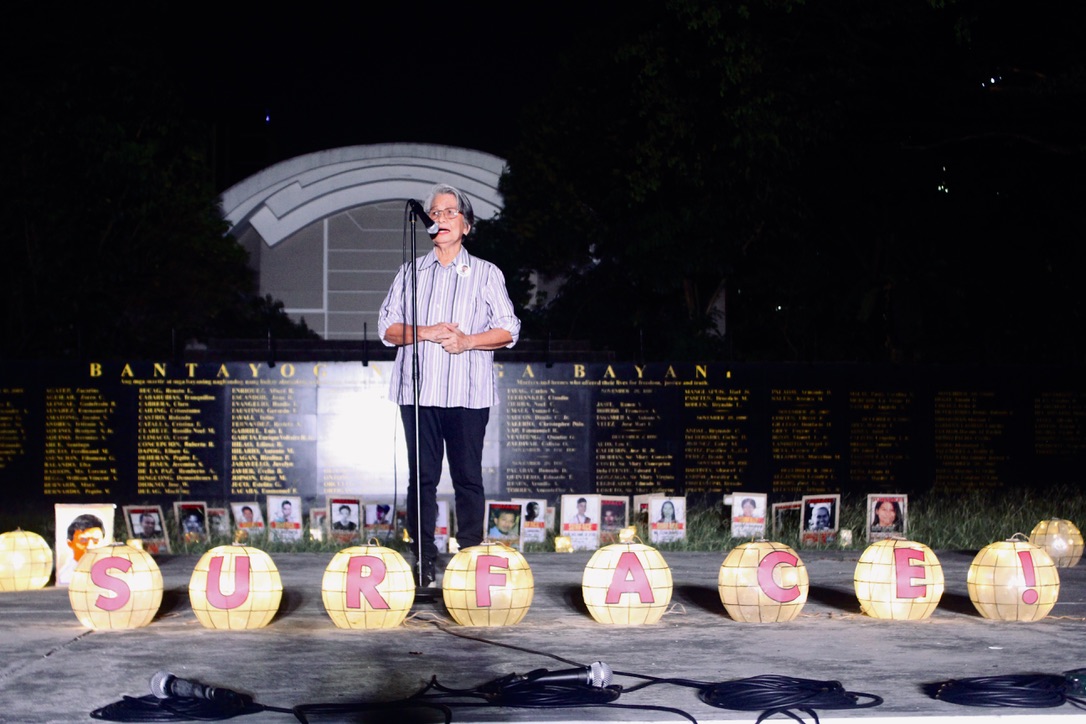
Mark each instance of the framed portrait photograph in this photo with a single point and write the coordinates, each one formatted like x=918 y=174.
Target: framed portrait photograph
x=148 y=524
x=218 y=522
x=788 y=514
x=820 y=519
x=533 y=520
x=285 y=517
x=318 y=524
x=887 y=516
x=345 y=515
x=79 y=529
x=191 y=518
x=442 y=527
x=503 y=522
x=581 y=520
x=248 y=520
x=640 y=510
x=614 y=514
x=379 y=521
x=667 y=518
x=748 y=514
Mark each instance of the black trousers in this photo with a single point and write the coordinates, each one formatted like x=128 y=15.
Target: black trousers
x=456 y=433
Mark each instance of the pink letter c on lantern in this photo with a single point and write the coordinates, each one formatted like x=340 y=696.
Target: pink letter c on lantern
x=765 y=577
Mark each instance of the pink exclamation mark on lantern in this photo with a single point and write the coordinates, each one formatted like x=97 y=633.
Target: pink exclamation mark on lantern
x=1029 y=596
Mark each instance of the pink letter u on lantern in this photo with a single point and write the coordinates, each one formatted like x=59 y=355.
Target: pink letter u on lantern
x=215 y=596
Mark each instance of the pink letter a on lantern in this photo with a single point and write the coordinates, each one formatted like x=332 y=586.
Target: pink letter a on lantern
x=630 y=577
x=101 y=578
x=906 y=571
x=765 y=577
x=359 y=585
x=484 y=578
x=215 y=596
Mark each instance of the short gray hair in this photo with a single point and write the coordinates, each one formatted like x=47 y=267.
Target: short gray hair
x=463 y=204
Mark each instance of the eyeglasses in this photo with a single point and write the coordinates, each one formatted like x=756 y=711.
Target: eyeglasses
x=449 y=214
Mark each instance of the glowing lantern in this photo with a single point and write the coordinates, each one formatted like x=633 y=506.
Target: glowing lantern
x=488 y=585
x=763 y=582
x=115 y=587
x=235 y=587
x=627 y=583
x=1060 y=539
x=1013 y=580
x=898 y=579
x=368 y=587
x=26 y=561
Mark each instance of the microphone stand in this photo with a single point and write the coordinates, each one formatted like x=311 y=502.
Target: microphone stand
x=415 y=389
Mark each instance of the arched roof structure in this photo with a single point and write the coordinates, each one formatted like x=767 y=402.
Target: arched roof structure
x=286 y=197
x=324 y=231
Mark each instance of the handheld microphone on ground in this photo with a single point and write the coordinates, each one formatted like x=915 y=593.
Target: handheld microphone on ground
x=598 y=676
x=421 y=215
x=165 y=685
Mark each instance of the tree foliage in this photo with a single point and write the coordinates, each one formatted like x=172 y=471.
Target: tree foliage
x=835 y=171
x=112 y=239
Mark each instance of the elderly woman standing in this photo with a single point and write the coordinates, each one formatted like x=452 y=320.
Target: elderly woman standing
x=464 y=315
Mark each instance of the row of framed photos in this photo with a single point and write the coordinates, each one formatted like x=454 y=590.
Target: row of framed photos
x=347 y=519
x=589 y=520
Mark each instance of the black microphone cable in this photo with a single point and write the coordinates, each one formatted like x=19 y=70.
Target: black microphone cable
x=152 y=709
x=512 y=690
x=769 y=693
x=1028 y=691
x=173 y=699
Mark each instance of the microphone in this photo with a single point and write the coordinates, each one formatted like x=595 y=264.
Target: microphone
x=165 y=685
x=598 y=676
x=421 y=215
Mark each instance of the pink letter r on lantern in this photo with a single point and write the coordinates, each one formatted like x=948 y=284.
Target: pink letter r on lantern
x=215 y=596
x=484 y=578
x=765 y=577
x=630 y=577
x=906 y=572
x=359 y=585
x=101 y=578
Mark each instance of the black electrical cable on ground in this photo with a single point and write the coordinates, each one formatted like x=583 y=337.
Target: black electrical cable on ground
x=1032 y=691
x=153 y=709
x=771 y=694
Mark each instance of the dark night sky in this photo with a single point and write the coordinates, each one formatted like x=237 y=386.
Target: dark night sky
x=326 y=75
x=334 y=76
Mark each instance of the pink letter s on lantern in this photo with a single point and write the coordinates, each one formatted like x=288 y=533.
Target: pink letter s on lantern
x=765 y=577
x=101 y=578
x=907 y=571
x=215 y=596
x=359 y=585
x=630 y=577
x=484 y=578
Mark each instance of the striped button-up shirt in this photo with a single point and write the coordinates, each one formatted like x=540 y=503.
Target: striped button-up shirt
x=470 y=292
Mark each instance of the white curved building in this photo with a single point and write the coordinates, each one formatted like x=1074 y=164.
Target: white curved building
x=325 y=231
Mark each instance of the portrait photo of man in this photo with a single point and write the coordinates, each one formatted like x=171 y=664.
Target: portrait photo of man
x=286 y=517
x=80 y=528
x=248 y=520
x=146 y=523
